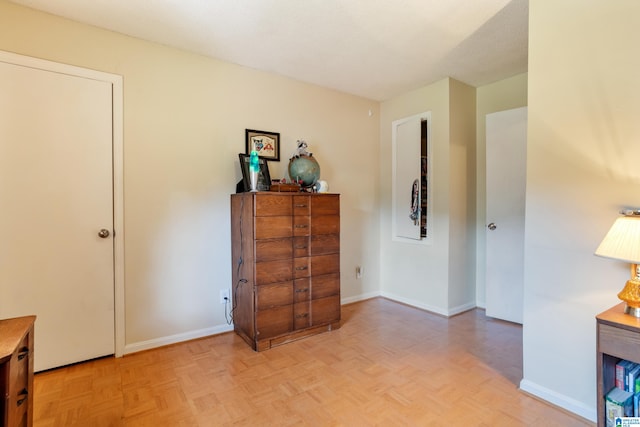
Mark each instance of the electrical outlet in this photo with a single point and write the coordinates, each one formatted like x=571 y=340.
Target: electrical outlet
x=224 y=296
x=358 y=272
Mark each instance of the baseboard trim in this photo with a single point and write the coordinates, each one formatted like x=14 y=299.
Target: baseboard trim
x=358 y=298
x=447 y=312
x=173 y=339
x=559 y=400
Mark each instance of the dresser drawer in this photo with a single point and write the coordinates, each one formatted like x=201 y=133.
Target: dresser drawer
x=325 y=264
x=618 y=342
x=20 y=363
x=325 y=285
x=301 y=205
x=18 y=406
x=301 y=246
x=272 y=205
x=302 y=315
x=300 y=267
x=271 y=227
x=273 y=271
x=326 y=204
x=325 y=244
x=301 y=225
x=273 y=322
x=273 y=249
x=274 y=295
x=18 y=377
x=325 y=310
x=325 y=224
x=302 y=289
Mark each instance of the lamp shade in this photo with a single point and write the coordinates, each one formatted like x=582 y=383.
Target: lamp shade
x=623 y=240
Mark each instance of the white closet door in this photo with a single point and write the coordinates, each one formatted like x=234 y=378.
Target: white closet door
x=506 y=184
x=56 y=194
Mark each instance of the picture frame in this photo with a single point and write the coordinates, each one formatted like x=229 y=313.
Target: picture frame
x=266 y=144
x=264 y=179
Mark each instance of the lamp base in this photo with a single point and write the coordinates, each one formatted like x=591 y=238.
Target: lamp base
x=630 y=294
x=632 y=311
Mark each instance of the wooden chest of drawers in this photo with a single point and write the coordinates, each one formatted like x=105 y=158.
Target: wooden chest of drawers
x=286 y=266
x=16 y=371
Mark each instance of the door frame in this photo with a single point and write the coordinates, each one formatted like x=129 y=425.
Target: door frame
x=118 y=182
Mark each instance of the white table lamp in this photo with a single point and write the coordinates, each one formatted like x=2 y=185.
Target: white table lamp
x=622 y=242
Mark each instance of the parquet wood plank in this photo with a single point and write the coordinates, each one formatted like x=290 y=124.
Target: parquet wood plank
x=388 y=365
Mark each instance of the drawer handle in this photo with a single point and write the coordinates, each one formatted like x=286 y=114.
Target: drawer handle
x=301 y=268
x=302 y=290
x=301 y=247
x=24 y=393
x=24 y=352
x=300 y=316
x=301 y=206
x=301 y=226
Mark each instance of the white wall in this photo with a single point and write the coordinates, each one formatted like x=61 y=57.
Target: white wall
x=583 y=146
x=412 y=273
x=462 y=248
x=184 y=122
x=417 y=274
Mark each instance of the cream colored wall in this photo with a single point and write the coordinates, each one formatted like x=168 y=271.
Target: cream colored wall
x=419 y=274
x=462 y=203
x=583 y=146
x=499 y=96
x=184 y=122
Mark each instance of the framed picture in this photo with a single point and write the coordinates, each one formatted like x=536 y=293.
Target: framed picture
x=264 y=179
x=266 y=144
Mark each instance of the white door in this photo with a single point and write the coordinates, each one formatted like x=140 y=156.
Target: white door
x=506 y=133
x=56 y=194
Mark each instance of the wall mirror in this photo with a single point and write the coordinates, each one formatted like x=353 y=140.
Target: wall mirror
x=411 y=186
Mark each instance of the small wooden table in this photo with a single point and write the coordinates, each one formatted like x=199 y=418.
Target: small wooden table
x=618 y=337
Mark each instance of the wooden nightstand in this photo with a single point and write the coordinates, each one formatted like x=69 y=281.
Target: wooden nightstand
x=618 y=337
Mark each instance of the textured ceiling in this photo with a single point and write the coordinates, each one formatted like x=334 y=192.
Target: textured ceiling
x=372 y=48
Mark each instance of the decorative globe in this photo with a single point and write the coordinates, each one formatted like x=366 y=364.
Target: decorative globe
x=304 y=169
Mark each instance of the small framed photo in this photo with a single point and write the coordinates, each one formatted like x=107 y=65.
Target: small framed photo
x=266 y=144
x=264 y=179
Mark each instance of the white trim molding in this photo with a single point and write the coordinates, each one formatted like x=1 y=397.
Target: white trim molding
x=558 y=399
x=177 y=338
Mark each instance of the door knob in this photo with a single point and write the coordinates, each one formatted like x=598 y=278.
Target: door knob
x=104 y=233
x=492 y=226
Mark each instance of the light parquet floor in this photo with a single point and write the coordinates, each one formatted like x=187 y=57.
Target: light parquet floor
x=388 y=365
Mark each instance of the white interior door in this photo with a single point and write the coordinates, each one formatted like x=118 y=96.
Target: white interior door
x=506 y=133
x=56 y=193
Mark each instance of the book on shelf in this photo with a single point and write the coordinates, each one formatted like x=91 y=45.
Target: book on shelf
x=622 y=373
x=632 y=376
x=618 y=403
